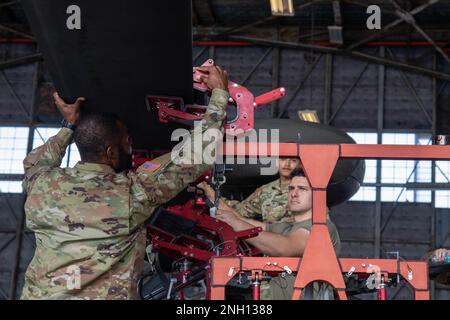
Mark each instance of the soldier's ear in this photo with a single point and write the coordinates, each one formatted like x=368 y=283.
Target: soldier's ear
x=111 y=154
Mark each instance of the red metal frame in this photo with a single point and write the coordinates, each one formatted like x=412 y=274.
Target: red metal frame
x=192 y=248
x=319 y=162
x=173 y=108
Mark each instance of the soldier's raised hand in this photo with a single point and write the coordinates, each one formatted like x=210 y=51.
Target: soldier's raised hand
x=214 y=78
x=70 y=112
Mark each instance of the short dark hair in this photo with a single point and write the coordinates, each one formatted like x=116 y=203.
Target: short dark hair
x=297 y=172
x=94 y=133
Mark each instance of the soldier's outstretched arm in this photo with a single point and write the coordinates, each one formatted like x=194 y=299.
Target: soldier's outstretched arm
x=158 y=181
x=50 y=154
x=269 y=243
x=249 y=208
x=225 y=207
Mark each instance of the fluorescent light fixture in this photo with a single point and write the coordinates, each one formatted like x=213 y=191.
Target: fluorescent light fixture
x=282 y=8
x=308 y=115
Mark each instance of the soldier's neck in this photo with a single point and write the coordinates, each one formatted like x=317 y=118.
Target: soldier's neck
x=284 y=180
x=302 y=216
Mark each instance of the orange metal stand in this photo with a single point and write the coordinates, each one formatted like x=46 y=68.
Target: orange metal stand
x=319 y=262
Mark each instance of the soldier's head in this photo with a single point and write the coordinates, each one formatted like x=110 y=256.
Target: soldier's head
x=287 y=165
x=104 y=138
x=300 y=193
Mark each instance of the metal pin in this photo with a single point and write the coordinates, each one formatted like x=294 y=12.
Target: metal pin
x=287 y=269
x=410 y=275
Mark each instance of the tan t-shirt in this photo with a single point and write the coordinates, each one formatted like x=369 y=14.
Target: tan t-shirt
x=281 y=288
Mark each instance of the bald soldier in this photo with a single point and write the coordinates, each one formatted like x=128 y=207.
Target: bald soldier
x=269 y=202
x=89 y=220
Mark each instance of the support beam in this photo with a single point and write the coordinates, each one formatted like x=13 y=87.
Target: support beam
x=15 y=95
x=311 y=35
x=17 y=254
x=433 y=223
x=391 y=25
x=328 y=88
x=413 y=91
x=3 y=294
x=20 y=61
x=276 y=61
x=441 y=89
x=195 y=20
x=212 y=52
x=257 y=64
x=380 y=127
x=300 y=86
x=411 y=185
x=11 y=177
x=204 y=12
x=408 y=18
x=335 y=32
x=337 y=13
x=17 y=32
x=348 y=93
x=199 y=53
x=7 y=4
x=353 y=54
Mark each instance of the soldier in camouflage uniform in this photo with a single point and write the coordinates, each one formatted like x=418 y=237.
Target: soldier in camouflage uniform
x=269 y=202
x=89 y=220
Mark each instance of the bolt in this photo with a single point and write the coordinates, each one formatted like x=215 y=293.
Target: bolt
x=235 y=85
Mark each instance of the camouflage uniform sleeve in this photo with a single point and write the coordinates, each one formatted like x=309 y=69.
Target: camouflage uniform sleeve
x=250 y=207
x=159 y=180
x=46 y=157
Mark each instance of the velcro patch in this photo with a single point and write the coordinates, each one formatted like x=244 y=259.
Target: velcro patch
x=150 y=166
